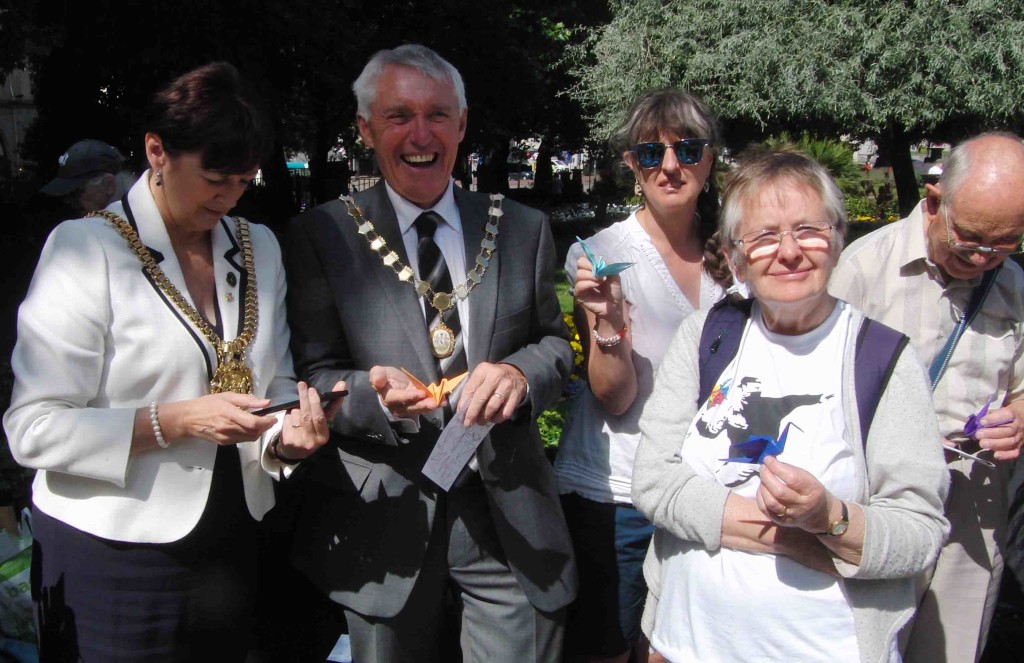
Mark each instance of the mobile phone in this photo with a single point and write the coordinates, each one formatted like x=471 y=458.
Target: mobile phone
x=291 y=405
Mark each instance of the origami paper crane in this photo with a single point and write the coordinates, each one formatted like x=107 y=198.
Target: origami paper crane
x=437 y=391
x=759 y=447
x=600 y=267
x=973 y=423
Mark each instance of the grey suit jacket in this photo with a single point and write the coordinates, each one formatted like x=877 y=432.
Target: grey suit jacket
x=366 y=509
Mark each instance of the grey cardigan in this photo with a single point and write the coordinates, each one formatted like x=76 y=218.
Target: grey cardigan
x=902 y=485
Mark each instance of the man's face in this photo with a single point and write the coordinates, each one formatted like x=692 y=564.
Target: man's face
x=977 y=215
x=415 y=129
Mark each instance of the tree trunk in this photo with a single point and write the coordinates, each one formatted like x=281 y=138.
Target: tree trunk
x=903 y=175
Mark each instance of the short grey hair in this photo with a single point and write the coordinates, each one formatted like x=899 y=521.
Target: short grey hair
x=765 y=171
x=418 y=57
x=958 y=164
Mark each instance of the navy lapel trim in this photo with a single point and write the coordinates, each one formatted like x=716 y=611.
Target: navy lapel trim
x=168 y=303
x=231 y=256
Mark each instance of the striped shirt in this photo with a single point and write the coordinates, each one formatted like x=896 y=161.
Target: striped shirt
x=889 y=276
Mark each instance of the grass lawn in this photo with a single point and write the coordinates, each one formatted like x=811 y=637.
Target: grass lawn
x=562 y=290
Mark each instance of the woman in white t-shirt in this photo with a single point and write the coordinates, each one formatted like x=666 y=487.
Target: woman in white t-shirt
x=669 y=142
x=781 y=536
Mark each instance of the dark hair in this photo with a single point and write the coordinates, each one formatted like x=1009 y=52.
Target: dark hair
x=668 y=110
x=212 y=111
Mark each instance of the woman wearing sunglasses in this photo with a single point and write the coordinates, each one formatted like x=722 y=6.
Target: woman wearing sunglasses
x=669 y=141
x=786 y=529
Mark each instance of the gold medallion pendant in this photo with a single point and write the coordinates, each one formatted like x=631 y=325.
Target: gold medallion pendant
x=232 y=373
x=442 y=341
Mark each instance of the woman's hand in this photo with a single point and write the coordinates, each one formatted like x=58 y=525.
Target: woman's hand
x=793 y=497
x=306 y=428
x=219 y=418
x=600 y=296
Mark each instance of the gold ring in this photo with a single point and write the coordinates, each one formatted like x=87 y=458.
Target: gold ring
x=499 y=395
x=296 y=425
x=785 y=510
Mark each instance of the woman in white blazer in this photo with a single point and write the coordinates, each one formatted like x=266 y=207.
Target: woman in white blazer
x=149 y=333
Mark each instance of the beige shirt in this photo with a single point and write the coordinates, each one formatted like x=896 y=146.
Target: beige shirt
x=888 y=275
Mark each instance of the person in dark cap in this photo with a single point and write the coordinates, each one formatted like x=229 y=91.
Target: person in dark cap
x=87 y=179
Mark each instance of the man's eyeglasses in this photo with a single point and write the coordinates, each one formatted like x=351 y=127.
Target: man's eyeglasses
x=688 y=152
x=764 y=243
x=1006 y=249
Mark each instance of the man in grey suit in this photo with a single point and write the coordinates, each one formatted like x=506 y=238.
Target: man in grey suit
x=420 y=275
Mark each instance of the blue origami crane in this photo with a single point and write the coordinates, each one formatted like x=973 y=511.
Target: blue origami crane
x=759 y=447
x=600 y=267
x=973 y=423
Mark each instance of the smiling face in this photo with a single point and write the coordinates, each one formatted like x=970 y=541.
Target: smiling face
x=414 y=128
x=791 y=283
x=192 y=198
x=671 y=187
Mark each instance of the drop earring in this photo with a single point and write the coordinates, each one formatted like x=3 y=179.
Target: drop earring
x=159 y=179
x=707 y=185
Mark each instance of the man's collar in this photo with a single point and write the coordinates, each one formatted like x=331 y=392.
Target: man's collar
x=916 y=247
x=407 y=212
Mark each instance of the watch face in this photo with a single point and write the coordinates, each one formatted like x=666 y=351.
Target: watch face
x=839 y=528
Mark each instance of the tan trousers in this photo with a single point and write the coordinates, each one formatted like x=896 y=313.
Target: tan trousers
x=956 y=603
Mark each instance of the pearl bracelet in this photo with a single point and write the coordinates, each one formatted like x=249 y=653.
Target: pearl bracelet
x=612 y=341
x=155 y=421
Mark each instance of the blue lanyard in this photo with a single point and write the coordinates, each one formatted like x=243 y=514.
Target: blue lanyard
x=978 y=295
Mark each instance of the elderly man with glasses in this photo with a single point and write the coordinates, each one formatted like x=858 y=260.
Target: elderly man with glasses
x=941 y=277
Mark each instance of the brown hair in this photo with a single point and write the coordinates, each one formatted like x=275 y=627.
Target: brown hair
x=668 y=110
x=211 y=110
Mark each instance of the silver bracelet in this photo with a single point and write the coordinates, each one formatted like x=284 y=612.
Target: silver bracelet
x=611 y=341
x=155 y=421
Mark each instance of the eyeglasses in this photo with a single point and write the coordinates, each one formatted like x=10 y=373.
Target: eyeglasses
x=973 y=247
x=688 y=152
x=764 y=243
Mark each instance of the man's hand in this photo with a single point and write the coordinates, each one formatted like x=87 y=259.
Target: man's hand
x=492 y=393
x=403 y=399
x=1005 y=439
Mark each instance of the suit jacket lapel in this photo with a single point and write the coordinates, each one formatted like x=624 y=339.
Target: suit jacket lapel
x=483 y=300
x=227 y=269
x=399 y=296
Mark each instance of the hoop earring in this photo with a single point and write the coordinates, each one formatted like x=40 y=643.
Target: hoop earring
x=159 y=178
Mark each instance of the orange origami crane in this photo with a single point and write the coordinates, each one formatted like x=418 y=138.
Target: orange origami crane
x=437 y=391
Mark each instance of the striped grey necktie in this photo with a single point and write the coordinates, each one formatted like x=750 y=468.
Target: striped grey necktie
x=434 y=271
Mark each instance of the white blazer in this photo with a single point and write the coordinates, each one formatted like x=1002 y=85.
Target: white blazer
x=97 y=340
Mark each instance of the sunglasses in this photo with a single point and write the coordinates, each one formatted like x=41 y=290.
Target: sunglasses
x=688 y=152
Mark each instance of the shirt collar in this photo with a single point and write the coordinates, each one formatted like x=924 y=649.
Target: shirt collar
x=916 y=248
x=408 y=212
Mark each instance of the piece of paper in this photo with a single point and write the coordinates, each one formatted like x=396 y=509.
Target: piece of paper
x=437 y=391
x=600 y=268
x=452 y=451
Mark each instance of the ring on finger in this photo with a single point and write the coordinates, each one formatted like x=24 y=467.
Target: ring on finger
x=783 y=513
x=499 y=395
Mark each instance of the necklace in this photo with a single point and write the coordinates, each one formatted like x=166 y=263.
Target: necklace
x=232 y=373
x=442 y=339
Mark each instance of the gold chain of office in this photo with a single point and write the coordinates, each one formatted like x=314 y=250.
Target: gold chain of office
x=442 y=301
x=442 y=338
x=232 y=373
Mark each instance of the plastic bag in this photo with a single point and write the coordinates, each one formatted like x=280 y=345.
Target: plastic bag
x=17 y=630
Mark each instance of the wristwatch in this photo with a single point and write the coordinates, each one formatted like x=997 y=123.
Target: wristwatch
x=838 y=528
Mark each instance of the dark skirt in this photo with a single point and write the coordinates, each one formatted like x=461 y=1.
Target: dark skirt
x=190 y=600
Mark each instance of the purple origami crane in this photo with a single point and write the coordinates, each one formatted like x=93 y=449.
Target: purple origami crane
x=973 y=423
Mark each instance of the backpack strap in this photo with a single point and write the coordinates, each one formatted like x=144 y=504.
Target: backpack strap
x=720 y=341
x=877 y=349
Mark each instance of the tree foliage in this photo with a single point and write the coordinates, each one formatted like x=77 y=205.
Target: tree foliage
x=892 y=70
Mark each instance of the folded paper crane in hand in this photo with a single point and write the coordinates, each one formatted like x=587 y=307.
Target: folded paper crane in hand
x=759 y=447
x=600 y=268
x=440 y=390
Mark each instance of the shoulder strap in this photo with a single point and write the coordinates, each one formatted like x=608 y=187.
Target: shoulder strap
x=878 y=347
x=719 y=341
x=978 y=296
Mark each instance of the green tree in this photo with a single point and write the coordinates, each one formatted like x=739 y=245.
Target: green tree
x=895 y=71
